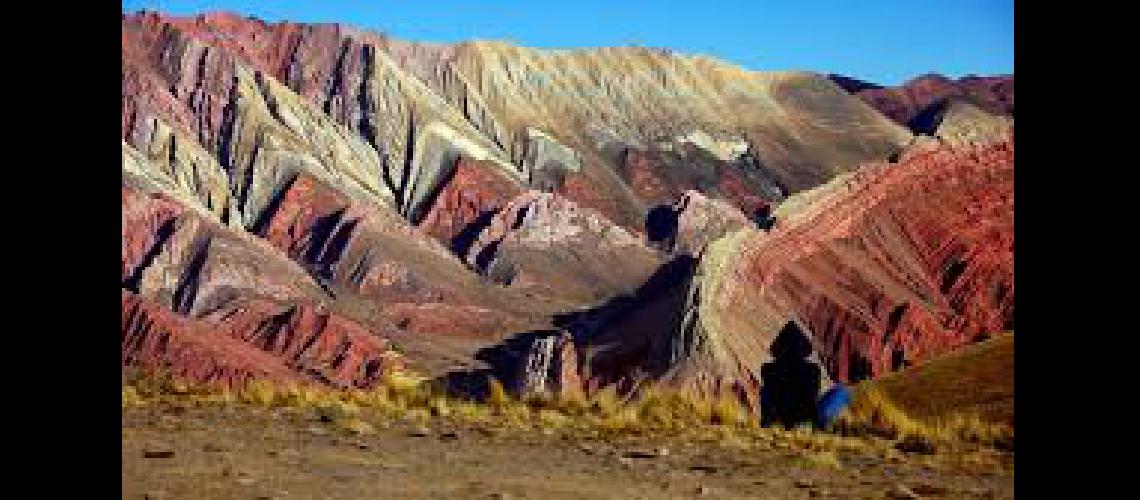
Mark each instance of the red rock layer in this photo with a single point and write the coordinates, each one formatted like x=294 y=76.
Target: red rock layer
x=473 y=191
x=410 y=280
x=903 y=262
x=145 y=220
x=258 y=340
x=156 y=337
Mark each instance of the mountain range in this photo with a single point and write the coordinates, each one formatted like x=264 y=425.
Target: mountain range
x=321 y=202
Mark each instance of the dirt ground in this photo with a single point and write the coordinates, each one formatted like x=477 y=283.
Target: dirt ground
x=172 y=451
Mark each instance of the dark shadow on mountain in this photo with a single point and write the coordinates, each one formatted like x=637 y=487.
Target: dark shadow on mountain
x=852 y=85
x=503 y=364
x=266 y=215
x=790 y=381
x=461 y=243
x=927 y=121
x=661 y=226
x=161 y=236
x=584 y=325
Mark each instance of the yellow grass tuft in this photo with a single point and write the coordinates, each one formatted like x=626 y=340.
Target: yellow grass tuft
x=723 y=418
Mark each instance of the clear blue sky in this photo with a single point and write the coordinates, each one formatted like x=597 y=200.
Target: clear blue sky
x=884 y=41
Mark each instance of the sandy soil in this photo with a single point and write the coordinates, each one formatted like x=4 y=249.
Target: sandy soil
x=171 y=451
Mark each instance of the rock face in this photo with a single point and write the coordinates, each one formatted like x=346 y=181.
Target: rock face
x=215 y=304
x=885 y=267
x=297 y=199
x=959 y=122
x=468 y=200
x=547 y=245
x=905 y=103
x=385 y=120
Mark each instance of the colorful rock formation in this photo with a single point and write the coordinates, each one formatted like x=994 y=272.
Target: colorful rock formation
x=299 y=198
x=885 y=267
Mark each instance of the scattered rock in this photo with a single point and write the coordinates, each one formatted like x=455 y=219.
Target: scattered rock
x=642 y=454
x=804 y=483
x=903 y=493
x=361 y=445
x=662 y=451
x=501 y=496
x=213 y=448
x=448 y=435
x=154 y=495
x=420 y=432
x=158 y=452
x=246 y=481
x=929 y=489
x=816 y=493
x=915 y=444
x=703 y=468
x=626 y=461
x=704 y=490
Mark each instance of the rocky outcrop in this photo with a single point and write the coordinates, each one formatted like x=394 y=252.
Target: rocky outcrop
x=156 y=337
x=253 y=340
x=701 y=220
x=897 y=263
x=215 y=304
x=959 y=122
x=465 y=204
x=663 y=173
x=888 y=266
x=547 y=245
x=409 y=279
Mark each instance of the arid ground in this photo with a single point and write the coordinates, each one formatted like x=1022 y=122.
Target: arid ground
x=171 y=451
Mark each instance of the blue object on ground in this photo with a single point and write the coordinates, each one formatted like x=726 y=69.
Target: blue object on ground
x=832 y=402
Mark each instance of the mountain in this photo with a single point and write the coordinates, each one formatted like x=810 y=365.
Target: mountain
x=886 y=267
x=316 y=201
x=907 y=104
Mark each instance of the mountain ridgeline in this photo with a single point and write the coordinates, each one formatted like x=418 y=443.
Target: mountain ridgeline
x=320 y=202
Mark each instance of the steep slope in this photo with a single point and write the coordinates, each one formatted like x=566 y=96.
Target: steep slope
x=549 y=246
x=884 y=267
x=215 y=304
x=319 y=192
x=905 y=103
x=404 y=112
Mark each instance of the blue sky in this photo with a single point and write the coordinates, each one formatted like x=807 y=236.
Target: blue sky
x=884 y=41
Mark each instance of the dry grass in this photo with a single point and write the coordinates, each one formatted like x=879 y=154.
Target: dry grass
x=872 y=413
x=405 y=396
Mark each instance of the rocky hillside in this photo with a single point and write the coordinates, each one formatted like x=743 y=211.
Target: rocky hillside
x=316 y=201
x=885 y=267
x=912 y=103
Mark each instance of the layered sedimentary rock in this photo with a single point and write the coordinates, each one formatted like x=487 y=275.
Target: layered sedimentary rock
x=884 y=267
x=702 y=220
x=374 y=255
x=389 y=118
x=214 y=303
x=466 y=203
x=305 y=194
x=905 y=103
x=547 y=245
